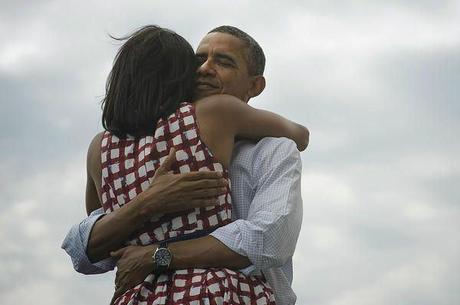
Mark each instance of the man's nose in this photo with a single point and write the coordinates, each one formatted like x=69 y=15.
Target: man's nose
x=206 y=68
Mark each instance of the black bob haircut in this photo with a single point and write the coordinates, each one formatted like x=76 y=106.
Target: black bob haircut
x=255 y=54
x=153 y=72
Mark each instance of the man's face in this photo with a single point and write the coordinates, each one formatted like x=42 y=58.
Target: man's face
x=222 y=67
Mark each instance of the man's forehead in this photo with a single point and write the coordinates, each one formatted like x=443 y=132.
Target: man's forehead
x=221 y=43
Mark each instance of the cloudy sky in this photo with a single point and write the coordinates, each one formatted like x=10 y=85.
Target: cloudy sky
x=376 y=82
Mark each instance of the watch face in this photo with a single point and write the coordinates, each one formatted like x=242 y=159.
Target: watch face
x=162 y=257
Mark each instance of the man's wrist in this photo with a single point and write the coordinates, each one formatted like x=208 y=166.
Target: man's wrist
x=144 y=210
x=162 y=258
x=147 y=257
x=205 y=252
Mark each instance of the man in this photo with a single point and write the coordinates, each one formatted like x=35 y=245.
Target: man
x=267 y=207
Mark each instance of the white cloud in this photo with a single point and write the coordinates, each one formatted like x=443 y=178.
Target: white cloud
x=14 y=55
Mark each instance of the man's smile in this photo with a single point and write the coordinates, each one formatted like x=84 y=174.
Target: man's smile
x=205 y=85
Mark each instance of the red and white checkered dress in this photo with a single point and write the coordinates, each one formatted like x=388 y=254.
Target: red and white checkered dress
x=128 y=166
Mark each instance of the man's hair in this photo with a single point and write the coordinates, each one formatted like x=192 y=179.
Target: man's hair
x=255 y=54
x=153 y=72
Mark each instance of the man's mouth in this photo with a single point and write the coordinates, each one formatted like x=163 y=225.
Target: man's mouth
x=203 y=85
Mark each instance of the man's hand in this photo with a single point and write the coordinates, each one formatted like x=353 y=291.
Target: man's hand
x=177 y=192
x=135 y=263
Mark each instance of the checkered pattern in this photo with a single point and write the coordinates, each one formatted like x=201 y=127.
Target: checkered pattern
x=128 y=166
x=198 y=287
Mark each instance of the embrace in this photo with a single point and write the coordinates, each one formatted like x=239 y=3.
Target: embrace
x=193 y=195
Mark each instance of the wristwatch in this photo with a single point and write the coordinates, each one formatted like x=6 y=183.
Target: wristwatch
x=161 y=258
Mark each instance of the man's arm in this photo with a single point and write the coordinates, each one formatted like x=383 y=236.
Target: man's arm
x=135 y=262
x=75 y=244
x=167 y=193
x=96 y=236
x=267 y=238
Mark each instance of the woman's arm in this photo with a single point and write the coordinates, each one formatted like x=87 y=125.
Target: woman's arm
x=93 y=170
x=252 y=123
x=110 y=232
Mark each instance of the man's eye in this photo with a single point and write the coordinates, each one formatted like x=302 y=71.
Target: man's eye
x=225 y=63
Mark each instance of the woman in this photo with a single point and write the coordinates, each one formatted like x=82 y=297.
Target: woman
x=147 y=112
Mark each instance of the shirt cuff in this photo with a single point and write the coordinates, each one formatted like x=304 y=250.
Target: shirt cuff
x=76 y=242
x=249 y=270
x=244 y=241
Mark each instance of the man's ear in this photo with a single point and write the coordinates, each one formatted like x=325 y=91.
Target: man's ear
x=258 y=85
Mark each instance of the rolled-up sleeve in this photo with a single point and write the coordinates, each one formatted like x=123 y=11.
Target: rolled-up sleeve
x=76 y=242
x=269 y=233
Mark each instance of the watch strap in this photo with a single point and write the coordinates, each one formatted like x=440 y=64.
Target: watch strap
x=160 y=268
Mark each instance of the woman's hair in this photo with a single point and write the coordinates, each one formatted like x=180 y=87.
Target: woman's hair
x=152 y=73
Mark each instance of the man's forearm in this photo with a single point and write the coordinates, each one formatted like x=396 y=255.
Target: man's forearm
x=205 y=252
x=135 y=262
x=113 y=230
x=167 y=194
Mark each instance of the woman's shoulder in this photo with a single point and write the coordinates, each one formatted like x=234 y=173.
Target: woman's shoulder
x=94 y=148
x=93 y=161
x=96 y=141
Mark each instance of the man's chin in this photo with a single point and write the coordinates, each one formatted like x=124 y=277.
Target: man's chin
x=199 y=94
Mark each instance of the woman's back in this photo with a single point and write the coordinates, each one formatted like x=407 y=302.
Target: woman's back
x=129 y=164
